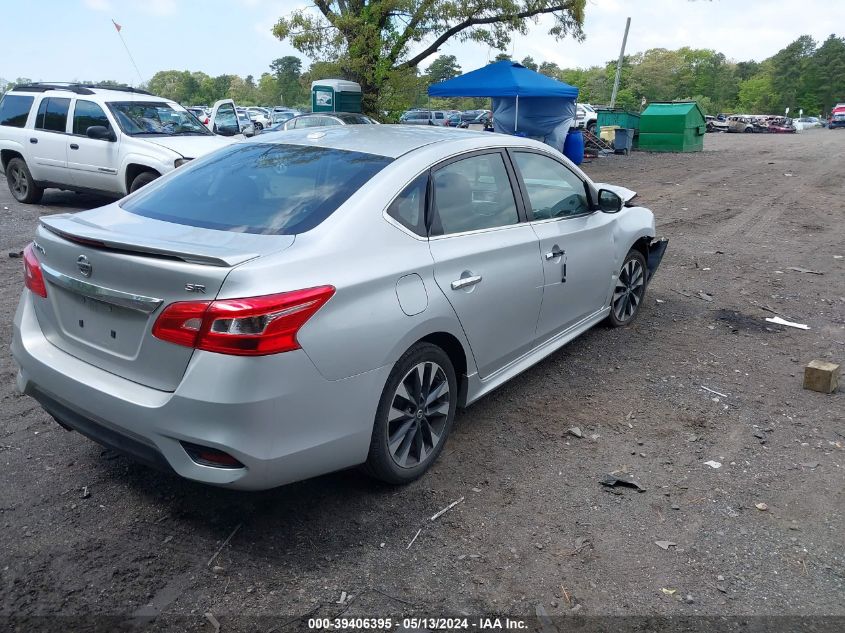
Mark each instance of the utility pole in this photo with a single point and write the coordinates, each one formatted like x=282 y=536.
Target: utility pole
x=619 y=65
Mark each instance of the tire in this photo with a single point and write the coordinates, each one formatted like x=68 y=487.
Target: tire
x=629 y=291
x=21 y=184
x=415 y=448
x=144 y=178
x=748 y=130
x=591 y=128
x=258 y=126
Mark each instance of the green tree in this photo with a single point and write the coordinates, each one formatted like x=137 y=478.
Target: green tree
x=501 y=57
x=373 y=38
x=529 y=63
x=442 y=68
x=287 y=71
x=827 y=72
x=789 y=71
x=756 y=94
x=550 y=69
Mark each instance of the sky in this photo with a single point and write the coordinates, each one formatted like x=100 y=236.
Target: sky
x=74 y=40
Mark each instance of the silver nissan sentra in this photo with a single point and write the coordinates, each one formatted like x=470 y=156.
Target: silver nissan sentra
x=313 y=300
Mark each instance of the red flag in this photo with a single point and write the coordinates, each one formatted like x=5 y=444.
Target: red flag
x=116 y=26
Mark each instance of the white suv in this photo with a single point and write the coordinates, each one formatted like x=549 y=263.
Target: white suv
x=82 y=138
x=586 y=117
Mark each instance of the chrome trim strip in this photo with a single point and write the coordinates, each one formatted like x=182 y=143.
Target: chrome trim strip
x=139 y=303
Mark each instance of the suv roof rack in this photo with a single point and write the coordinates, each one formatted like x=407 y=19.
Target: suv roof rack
x=81 y=89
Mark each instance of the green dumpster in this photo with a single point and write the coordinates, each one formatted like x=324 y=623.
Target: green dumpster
x=622 y=118
x=335 y=95
x=676 y=126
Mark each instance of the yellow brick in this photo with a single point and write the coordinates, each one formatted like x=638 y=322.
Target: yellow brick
x=819 y=375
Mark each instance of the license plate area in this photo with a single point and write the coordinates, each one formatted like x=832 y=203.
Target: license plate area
x=102 y=325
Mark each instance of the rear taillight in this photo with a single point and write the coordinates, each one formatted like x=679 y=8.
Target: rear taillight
x=254 y=326
x=32 y=272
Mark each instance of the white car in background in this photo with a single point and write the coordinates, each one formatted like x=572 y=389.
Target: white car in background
x=260 y=117
x=80 y=137
x=586 y=117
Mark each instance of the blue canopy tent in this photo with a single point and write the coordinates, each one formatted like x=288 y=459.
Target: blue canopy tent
x=523 y=100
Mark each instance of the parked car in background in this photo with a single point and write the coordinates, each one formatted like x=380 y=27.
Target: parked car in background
x=837 y=120
x=277 y=117
x=245 y=122
x=475 y=116
x=455 y=120
x=743 y=124
x=423 y=117
x=322 y=340
x=715 y=125
x=259 y=117
x=807 y=123
x=200 y=113
x=586 y=117
x=84 y=138
x=327 y=118
x=226 y=121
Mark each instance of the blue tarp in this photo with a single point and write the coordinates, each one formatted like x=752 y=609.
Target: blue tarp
x=503 y=79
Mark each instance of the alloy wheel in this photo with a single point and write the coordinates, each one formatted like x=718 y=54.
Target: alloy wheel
x=629 y=290
x=19 y=183
x=418 y=414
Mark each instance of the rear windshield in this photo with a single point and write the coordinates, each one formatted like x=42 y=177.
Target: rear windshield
x=259 y=188
x=14 y=110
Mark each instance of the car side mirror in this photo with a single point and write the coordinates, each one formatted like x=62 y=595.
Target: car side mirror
x=100 y=133
x=609 y=202
x=226 y=130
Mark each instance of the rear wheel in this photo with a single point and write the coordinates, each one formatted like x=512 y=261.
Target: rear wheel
x=144 y=178
x=415 y=415
x=629 y=291
x=591 y=128
x=21 y=184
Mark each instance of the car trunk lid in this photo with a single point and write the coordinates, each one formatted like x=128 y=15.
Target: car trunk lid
x=109 y=274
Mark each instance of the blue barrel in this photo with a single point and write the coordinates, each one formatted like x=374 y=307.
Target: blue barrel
x=573 y=147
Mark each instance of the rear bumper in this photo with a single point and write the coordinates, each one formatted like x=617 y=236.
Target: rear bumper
x=275 y=414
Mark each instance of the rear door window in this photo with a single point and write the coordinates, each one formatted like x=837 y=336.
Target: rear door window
x=14 y=110
x=272 y=189
x=472 y=194
x=52 y=114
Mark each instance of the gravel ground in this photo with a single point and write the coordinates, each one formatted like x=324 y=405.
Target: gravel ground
x=535 y=527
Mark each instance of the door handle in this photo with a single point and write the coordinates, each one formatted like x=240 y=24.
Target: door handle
x=466 y=282
x=33 y=140
x=555 y=252
x=74 y=146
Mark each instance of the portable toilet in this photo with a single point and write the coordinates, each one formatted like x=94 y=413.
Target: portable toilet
x=335 y=95
x=676 y=126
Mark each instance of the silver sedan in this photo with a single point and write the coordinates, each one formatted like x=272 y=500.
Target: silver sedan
x=313 y=300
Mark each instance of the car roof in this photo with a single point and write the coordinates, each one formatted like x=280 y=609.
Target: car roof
x=391 y=141
x=104 y=93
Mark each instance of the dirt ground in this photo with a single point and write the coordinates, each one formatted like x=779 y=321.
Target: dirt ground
x=534 y=528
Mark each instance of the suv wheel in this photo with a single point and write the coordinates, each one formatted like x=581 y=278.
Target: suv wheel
x=21 y=184
x=144 y=178
x=591 y=128
x=414 y=416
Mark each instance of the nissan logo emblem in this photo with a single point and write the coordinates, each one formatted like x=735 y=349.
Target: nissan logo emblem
x=84 y=266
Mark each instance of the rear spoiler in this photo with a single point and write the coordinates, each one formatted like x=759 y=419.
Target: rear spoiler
x=78 y=231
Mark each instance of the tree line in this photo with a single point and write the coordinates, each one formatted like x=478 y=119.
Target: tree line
x=803 y=75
